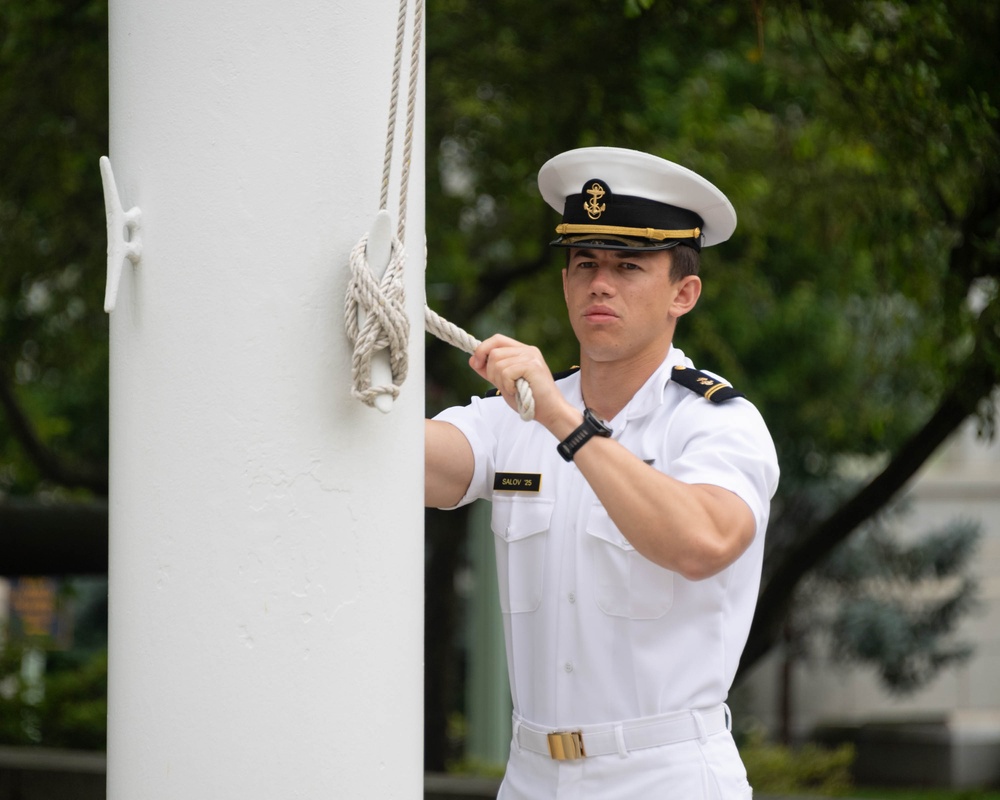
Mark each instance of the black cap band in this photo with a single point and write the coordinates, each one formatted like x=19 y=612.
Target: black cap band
x=600 y=218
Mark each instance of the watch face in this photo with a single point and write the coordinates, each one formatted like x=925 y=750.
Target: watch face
x=590 y=427
x=601 y=428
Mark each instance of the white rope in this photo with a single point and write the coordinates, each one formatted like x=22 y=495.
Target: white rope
x=386 y=324
x=449 y=332
x=383 y=303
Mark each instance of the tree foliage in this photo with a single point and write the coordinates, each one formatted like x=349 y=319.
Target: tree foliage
x=889 y=604
x=53 y=692
x=68 y=710
x=53 y=334
x=857 y=303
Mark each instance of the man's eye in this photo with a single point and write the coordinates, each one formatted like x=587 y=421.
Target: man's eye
x=629 y=265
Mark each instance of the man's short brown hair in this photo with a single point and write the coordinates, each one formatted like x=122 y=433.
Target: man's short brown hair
x=684 y=261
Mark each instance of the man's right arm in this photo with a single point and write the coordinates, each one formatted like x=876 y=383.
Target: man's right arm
x=448 y=464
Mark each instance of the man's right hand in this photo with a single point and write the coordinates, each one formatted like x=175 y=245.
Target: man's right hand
x=502 y=361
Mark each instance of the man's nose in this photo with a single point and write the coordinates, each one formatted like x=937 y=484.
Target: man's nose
x=601 y=281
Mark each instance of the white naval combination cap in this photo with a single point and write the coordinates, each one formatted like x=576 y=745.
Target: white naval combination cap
x=619 y=199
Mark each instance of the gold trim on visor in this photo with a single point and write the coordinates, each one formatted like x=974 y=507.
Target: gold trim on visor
x=616 y=230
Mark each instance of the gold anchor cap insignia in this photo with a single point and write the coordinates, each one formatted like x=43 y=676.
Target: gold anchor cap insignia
x=594 y=207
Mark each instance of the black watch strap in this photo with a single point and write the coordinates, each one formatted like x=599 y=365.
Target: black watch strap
x=590 y=427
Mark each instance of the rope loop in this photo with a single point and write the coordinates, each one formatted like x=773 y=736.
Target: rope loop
x=386 y=325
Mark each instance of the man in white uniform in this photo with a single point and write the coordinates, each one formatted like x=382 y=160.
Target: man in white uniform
x=628 y=551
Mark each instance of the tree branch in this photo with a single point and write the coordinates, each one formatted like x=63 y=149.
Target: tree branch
x=51 y=466
x=974 y=383
x=491 y=284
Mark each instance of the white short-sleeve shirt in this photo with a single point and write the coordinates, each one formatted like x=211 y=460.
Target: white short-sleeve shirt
x=595 y=632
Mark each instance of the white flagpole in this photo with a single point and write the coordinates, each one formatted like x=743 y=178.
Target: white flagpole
x=266 y=547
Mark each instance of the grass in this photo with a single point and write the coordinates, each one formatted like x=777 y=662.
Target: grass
x=880 y=793
x=926 y=794
x=819 y=772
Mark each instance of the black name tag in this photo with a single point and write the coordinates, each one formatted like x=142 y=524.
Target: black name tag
x=517 y=482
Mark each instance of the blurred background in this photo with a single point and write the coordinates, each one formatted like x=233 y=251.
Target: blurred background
x=857 y=306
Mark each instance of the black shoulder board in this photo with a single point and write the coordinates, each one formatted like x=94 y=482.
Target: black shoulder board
x=557 y=376
x=708 y=387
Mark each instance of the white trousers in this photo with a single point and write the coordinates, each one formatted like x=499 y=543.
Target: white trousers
x=708 y=769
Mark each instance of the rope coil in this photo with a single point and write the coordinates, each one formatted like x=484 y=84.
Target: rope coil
x=383 y=303
x=386 y=326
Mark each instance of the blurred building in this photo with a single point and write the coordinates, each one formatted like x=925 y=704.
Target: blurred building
x=947 y=733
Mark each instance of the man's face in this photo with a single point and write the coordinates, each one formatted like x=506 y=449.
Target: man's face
x=623 y=305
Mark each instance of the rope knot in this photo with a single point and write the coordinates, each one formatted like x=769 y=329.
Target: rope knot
x=382 y=304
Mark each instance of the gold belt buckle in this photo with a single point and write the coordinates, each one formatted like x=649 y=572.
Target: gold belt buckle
x=566 y=745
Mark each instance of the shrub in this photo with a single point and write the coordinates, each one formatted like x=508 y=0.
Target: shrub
x=776 y=769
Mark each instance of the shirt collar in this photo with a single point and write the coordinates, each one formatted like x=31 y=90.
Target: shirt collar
x=650 y=396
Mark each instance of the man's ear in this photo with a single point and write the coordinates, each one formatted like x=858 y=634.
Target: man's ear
x=565 y=275
x=688 y=291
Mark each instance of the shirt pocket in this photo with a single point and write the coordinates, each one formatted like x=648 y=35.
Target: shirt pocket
x=519 y=528
x=626 y=584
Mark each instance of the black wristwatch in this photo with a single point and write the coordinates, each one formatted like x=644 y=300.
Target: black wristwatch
x=591 y=426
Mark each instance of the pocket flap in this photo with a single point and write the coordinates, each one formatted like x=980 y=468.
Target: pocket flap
x=601 y=525
x=516 y=519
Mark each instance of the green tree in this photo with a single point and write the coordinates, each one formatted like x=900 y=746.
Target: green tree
x=857 y=303
x=883 y=603
x=53 y=350
x=911 y=83
x=53 y=688
x=894 y=605
x=53 y=336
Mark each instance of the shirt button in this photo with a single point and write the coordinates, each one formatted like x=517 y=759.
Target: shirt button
x=571 y=597
x=568 y=667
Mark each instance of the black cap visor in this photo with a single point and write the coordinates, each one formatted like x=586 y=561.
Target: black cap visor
x=620 y=243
